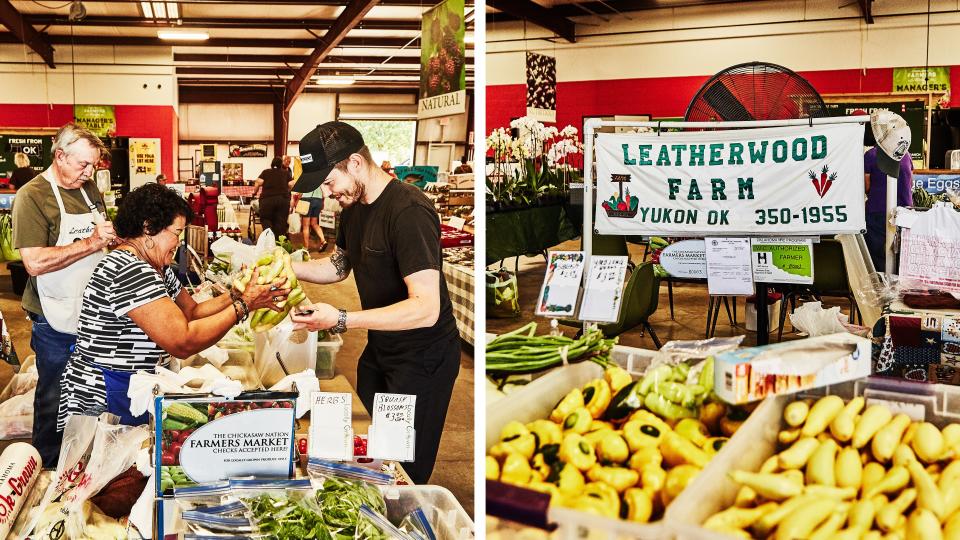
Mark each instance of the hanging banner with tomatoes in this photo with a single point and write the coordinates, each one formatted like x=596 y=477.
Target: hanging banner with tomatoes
x=771 y=182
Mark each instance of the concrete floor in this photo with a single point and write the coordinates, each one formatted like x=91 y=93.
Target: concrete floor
x=690 y=307
x=454 y=468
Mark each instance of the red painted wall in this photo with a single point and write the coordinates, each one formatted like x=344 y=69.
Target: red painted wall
x=153 y=121
x=666 y=96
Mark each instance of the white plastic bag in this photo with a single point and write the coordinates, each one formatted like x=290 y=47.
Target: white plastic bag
x=16 y=416
x=20 y=383
x=814 y=321
x=238 y=252
x=297 y=351
x=293 y=223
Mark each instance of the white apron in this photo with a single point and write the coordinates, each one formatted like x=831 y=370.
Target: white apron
x=61 y=291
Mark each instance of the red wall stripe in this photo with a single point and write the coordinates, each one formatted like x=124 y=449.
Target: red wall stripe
x=666 y=96
x=153 y=121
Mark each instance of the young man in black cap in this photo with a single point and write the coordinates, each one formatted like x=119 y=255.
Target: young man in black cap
x=389 y=238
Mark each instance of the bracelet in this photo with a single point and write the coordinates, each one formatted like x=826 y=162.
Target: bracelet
x=242 y=312
x=235 y=294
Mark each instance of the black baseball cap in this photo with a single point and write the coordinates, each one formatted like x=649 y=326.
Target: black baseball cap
x=321 y=149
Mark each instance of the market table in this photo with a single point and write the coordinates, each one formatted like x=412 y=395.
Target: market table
x=229 y=191
x=528 y=231
x=460 y=286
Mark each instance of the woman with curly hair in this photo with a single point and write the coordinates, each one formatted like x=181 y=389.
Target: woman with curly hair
x=135 y=313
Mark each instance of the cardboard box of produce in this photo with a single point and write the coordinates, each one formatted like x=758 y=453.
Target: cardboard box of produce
x=754 y=373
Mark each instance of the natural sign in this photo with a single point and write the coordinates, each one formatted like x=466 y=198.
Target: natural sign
x=772 y=181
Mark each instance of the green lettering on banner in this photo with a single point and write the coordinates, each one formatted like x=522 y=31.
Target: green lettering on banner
x=696 y=154
x=679 y=148
x=799 y=149
x=745 y=185
x=626 y=155
x=779 y=151
x=645 y=155
x=694 y=193
x=755 y=155
x=818 y=147
x=717 y=186
x=643 y=213
x=664 y=159
x=715 y=158
x=736 y=151
x=674 y=187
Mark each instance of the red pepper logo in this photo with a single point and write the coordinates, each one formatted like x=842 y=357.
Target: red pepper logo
x=823 y=183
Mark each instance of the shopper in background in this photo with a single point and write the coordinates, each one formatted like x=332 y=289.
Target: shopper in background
x=161 y=178
x=464 y=166
x=59 y=227
x=286 y=166
x=135 y=313
x=389 y=237
x=893 y=134
x=273 y=187
x=311 y=221
x=23 y=173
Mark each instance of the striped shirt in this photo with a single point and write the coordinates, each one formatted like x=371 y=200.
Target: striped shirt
x=106 y=336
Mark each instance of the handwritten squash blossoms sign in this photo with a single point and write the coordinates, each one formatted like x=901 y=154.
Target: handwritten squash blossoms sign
x=772 y=181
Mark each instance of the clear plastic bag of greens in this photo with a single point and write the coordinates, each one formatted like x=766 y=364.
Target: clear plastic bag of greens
x=416 y=523
x=503 y=295
x=342 y=490
x=374 y=526
x=202 y=496
x=283 y=509
x=207 y=525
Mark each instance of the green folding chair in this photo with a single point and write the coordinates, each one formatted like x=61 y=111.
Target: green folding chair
x=606 y=244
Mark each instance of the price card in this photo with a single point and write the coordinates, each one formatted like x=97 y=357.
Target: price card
x=457 y=222
x=331 y=429
x=561 y=284
x=604 y=288
x=391 y=434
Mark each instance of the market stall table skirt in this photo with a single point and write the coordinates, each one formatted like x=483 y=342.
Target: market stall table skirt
x=460 y=287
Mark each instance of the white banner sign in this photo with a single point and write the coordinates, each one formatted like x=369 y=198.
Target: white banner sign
x=771 y=181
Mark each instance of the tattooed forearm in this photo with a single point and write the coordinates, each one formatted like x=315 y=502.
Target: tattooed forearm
x=341 y=263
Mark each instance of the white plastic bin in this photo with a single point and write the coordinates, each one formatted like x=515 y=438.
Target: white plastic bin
x=443 y=510
x=537 y=400
x=756 y=440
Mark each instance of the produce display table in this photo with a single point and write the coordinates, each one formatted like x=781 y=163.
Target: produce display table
x=528 y=231
x=919 y=344
x=460 y=286
x=229 y=191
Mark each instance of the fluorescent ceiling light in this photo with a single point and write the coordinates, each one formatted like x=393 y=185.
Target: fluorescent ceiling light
x=334 y=80
x=147 y=9
x=172 y=10
x=160 y=9
x=183 y=36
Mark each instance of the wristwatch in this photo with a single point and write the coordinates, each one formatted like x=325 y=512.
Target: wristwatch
x=341 y=325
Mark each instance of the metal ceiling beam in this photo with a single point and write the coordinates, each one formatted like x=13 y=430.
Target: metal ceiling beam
x=611 y=7
x=222 y=22
x=407 y=3
x=270 y=43
x=264 y=95
x=288 y=72
x=288 y=59
x=538 y=15
x=866 y=10
x=24 y=33
x=351 y=15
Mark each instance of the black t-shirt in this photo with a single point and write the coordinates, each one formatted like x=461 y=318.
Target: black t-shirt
x=21 y=176
x=275 y=183
x=396 y=236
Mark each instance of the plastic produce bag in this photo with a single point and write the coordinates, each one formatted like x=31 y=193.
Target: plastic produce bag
x=20 y=383
x=813 y=320
x=238 y=253
x=283 y=509
x=416 y=523
x=296 y=351
x=503 y=296
x=374 y=526
x=293 y=223
x=16 y=416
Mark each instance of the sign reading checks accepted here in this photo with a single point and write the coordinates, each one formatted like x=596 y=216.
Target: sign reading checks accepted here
x=772 y=182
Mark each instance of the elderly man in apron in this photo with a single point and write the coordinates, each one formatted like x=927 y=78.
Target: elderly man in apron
x=60 y=229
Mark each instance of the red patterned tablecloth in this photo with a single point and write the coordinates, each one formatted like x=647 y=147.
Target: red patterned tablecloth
x=229 y=191
x=451 y=237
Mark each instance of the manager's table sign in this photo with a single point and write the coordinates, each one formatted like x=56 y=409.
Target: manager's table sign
x=770 y=181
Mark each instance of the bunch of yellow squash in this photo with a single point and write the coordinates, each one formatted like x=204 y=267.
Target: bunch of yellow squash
x=630 y=468
x=849 y=471
x=272 y=266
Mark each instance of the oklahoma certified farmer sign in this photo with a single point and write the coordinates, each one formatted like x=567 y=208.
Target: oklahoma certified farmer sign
x=771 y=181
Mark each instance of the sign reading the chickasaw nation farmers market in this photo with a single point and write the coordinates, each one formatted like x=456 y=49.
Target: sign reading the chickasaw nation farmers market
x=542 y=87
x=100 y=119
x=771 y=182
x=918 y=80
x=443 y=74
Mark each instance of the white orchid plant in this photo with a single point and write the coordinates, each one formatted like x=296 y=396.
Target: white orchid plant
x=547 y=160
